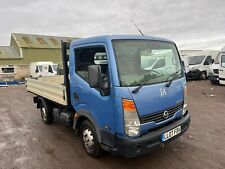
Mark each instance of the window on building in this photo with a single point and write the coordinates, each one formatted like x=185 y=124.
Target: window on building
x=54 y=41
x=7 y=70
x=41 y=41
x=27 y=40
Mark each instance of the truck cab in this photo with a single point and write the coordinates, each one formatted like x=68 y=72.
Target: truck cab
x=130 y=107
x=113 y=99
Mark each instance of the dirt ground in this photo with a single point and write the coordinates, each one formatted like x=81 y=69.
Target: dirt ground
x=27 y=143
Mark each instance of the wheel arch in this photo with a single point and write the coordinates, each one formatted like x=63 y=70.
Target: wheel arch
x=39 y=101
x=83 y=115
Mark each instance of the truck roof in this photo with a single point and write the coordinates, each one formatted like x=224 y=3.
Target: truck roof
x=107 y=38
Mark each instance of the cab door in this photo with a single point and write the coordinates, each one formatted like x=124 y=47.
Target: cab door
x=98 y=106
x=206 y=65
x=222 y=70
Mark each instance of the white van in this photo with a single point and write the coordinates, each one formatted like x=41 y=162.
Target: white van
x=199 y=67
x=45 y=68
x=217 y=69
x=158 y=60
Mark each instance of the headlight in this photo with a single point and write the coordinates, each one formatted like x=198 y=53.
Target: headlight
x=185 y=101
x=131 y=119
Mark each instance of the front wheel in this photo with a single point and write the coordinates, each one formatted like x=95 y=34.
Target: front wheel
x=203 y=76
x=89 y=139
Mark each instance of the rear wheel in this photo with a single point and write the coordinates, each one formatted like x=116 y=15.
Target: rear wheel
x=89 y=139
x=46 y=112
x=203 y=76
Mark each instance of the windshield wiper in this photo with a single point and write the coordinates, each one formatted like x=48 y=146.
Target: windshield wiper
x=174 y=75
x=136 y=90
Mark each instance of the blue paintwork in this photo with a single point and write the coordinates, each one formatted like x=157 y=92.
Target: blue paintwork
x=14 y=82
x=107 y=110
x=89 y=98
x=148 y=100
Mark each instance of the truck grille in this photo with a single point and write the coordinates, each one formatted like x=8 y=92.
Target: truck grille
x=158 y=117
x=216 y=71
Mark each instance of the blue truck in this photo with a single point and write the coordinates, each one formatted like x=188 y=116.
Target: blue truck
x=124 y=94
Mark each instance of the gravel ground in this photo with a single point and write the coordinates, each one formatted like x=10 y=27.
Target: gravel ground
x=27 y=143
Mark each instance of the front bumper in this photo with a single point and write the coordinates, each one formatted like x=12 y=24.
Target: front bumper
x=194 y=74
x=214 y=78
x=131 y=147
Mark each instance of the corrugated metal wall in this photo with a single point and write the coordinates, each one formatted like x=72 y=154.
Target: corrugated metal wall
x=34 y=55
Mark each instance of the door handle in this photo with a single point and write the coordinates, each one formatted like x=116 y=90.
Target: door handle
x=221 y=70
x=76 y=97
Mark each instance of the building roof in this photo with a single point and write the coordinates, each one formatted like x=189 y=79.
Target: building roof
x=7 y=52
x=39 y=41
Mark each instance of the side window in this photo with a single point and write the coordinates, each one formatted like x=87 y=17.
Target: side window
x=50 y=69
x=223 y=60
x=208 y=60
x=36 y=69
x=92 y=55
x=160 y=63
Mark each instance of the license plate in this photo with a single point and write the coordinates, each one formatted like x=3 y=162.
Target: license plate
x=169 y=134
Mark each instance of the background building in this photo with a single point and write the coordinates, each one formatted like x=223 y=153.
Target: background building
x=188 y=53
x=27 y=48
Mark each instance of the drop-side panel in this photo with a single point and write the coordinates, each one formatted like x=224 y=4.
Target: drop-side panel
x=51 y=88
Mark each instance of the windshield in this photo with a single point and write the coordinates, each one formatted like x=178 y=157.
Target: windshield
x=195 y=60
x=139 y=61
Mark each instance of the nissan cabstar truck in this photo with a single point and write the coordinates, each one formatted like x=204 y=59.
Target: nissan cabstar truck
x=113 y=97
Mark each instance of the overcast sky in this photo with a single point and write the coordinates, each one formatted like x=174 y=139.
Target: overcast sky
x=192 y=24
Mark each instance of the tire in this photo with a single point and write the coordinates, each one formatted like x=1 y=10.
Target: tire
x=213 y=82
x=89 y=139
x=46 y=112
x=203 y=76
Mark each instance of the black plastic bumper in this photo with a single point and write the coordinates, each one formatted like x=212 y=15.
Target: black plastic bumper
x=129 y=147
x=193 y=74
x=214 y=78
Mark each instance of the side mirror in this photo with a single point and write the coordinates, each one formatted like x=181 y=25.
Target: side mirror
x=104 y=86
x=212 y=61
x=36 y=71
x=183 y=64
x=94 y=73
